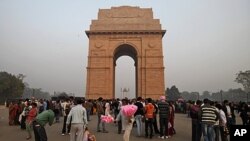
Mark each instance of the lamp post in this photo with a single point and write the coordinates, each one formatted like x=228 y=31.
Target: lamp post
x=33 y=92
x=221 y=96
x=247 y=96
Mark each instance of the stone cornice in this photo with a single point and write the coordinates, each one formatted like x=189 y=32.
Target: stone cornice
x=124 y=32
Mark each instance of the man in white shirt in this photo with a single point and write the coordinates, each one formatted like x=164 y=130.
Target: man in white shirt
x=79 y=121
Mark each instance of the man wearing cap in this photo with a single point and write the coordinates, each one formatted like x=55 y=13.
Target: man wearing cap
x=163 y=107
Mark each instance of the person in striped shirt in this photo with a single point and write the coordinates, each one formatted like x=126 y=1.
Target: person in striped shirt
x=209 y=116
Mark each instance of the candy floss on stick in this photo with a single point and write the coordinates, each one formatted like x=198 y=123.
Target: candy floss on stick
x=129 y=110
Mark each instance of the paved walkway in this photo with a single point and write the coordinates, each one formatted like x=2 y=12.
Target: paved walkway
x=14 y=133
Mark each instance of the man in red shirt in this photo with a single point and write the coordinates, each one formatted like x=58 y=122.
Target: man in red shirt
x=149 y=115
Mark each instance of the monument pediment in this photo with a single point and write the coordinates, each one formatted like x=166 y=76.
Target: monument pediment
x=125 y=18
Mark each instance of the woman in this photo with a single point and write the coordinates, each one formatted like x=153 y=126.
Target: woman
x=24 y=114
x=30 y=118
x=171 y=129
x=12 y=113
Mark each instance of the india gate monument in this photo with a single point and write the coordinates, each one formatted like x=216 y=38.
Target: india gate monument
x=129 y=31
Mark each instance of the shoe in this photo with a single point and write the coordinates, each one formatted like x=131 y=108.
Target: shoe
x=98 y=130
x=166 y=137
x=27 y=138
x=63 y=134
x=69 y=133
x=105 y=131
x=161 y=137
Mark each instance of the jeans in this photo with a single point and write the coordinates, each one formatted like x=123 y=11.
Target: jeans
x=138 y=120
x=39 y=132
x=217 y=132
x=196 y=130
x=88 y=114
x=208 y=132
x=64 y=125
x=99 y=122
x=163 y=126
x=149 y=123
x=155 y=126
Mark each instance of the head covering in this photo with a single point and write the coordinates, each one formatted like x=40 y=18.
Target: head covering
x=162 y=98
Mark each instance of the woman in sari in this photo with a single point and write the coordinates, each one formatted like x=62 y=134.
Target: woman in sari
x=171 y=130
x=12 y=113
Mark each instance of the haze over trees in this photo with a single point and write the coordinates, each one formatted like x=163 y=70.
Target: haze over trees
x=236 y=95
x=11 y=86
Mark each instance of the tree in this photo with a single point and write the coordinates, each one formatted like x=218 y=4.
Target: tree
x=11 y=86
x=173 y=93
x=206 y=94
x=244 y=79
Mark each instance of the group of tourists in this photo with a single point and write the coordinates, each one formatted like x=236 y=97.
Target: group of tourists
x=210 y=119
x=31 y=115
x=213 y=120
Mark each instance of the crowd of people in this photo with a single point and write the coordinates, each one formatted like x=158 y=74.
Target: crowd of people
x=210 y=119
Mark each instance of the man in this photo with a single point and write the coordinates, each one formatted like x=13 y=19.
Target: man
x=88 y=105
x=100 y=111
x=229 y=113
x=209 y=116
x=196 y=123
x=78 y=117
x=149 y=114
x=138 y=115
x=40 y=121
x=66 y=109
x=164 y=116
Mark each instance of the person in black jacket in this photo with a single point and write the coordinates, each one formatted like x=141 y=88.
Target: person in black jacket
x=163 y=107
x=139 y=115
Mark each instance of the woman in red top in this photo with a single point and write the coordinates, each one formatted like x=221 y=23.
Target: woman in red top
x=30 y=117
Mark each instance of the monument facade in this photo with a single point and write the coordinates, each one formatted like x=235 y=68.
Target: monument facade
x=130 y=31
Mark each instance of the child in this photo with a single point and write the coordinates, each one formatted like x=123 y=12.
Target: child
x=87 y=136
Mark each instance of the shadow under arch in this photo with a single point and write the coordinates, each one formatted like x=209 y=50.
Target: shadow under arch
x=126 y=50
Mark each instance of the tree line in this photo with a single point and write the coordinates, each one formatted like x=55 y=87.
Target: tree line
x=236 y=95
x=13 y=87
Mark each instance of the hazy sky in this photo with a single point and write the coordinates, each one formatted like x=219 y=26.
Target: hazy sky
x=206 y=44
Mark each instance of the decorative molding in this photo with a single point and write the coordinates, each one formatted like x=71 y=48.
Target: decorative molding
x=98 y=44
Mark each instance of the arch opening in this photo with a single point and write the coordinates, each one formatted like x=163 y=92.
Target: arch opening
x=125 y=73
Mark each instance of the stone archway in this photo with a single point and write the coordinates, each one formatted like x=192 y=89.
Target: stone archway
x=126 y=50
x=128 y=31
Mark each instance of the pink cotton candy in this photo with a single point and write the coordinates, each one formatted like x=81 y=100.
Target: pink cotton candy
x=129 y=110
x=107 y=119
